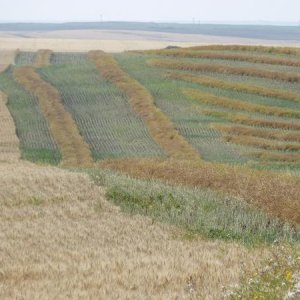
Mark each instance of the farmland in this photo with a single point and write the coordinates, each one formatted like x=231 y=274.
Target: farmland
x=189 y=151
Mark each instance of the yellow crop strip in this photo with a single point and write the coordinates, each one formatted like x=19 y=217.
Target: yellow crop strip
x=160 y=127
x=208 y=98
x=224 y=69
x=74 y=150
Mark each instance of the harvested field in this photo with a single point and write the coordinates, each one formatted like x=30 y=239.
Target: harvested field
x=160 y=127
x=225 y=69
x=9 y=142
x=74 y=150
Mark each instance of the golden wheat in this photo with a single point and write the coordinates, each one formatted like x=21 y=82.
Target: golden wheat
x=59 y=236
x=74 y=150
x=224 y=69
x=160 y=127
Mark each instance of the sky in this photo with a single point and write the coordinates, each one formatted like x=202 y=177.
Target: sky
x=230 y=11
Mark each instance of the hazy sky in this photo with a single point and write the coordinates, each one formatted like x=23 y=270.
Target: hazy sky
x=150 y=10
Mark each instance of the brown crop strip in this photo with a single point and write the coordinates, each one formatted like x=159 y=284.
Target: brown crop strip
x=224 y=69
x=74 y=150
x=142 y=102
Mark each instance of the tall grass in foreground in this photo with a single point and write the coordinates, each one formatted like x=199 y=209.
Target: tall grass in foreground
x=235 y=86
x=224 y=69
x=159 y=125
x=277 y=194
x=225 y=102
x=199 y=211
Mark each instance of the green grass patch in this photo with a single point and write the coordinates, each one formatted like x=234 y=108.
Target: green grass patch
x=200 y=211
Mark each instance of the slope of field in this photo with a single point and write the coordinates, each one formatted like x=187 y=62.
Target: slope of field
x=180 y=110
x=100 y=109
x=60 y=236
x=271 y=102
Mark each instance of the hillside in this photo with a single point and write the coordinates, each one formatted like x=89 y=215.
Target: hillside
x=150 y=174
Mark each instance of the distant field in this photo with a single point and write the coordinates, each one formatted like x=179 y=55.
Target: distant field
x=192 y=147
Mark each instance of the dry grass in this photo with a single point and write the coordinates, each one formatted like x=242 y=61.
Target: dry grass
x=247 y=120
x=74 y=150
x=258 y=142
x=240 y=87
x=209 y=98
x=9 y=142
x=257 y=48
x=277 y=194
x=258 y=132
x=43 y=58
x=160 y=127
x=59 y=236
x=191 y=53
x=225 y=69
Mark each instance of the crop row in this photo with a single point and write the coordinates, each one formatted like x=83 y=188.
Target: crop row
x=36 y=141
x=102 y=113
x=191 y=53
x=159 y=125
x=227 y=69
